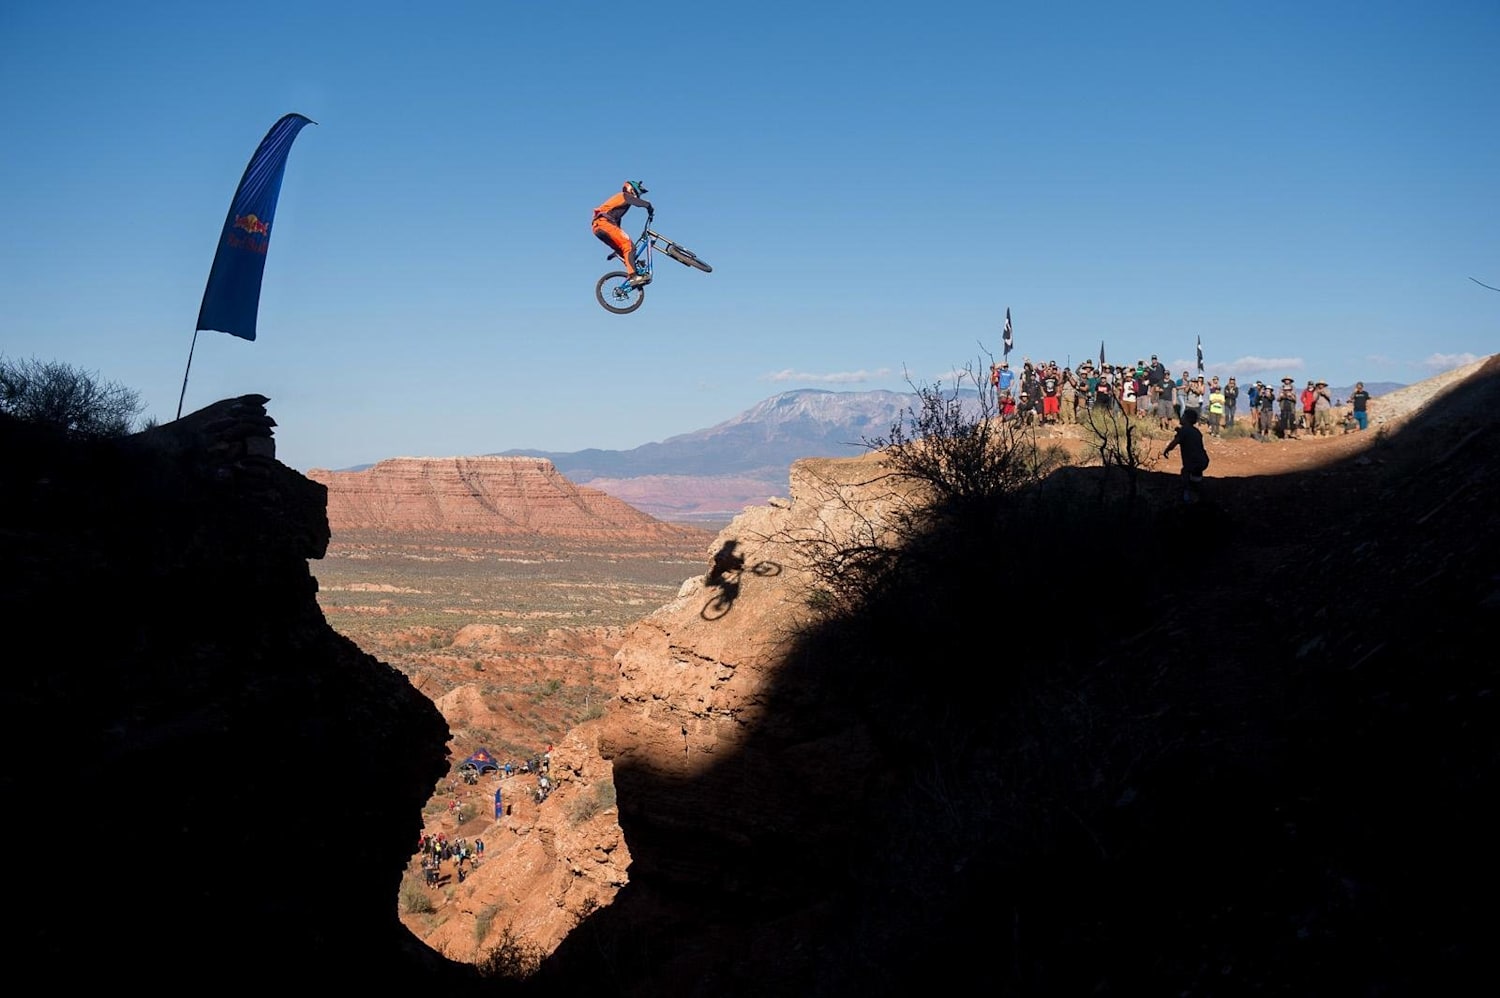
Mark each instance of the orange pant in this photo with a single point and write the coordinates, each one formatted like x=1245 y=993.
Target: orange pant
x=614 y=236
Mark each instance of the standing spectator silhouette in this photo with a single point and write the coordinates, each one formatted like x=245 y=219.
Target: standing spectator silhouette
x=1194 y=458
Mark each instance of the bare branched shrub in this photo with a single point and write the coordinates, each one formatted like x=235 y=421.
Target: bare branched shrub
x=511 y=958
x=482 y=922
x=1125 y=447
x=59 y=395
x=600 y=797
x=954 y=447
x=852 y=546
x=948 y=464
x=414 y=899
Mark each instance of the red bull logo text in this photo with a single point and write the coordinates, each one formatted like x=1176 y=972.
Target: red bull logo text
x=253 y=234
x=252 y=224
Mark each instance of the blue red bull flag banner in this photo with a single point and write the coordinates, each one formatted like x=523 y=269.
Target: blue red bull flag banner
x=231 y=300
x=232 y=297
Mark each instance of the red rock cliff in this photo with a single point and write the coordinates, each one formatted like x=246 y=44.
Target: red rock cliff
x=492 y=495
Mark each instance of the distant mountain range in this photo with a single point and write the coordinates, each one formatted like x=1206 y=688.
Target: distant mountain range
x=712 y=474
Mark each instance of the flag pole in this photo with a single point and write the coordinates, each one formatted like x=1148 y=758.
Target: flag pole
x=185 y=375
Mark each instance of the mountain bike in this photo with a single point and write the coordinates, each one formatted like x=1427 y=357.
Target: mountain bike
x=614 y=290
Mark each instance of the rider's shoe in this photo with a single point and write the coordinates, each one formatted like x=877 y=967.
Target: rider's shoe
x=640 y=280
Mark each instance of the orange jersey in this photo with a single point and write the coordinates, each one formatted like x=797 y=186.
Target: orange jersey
x=615 y=208
x=615 y=203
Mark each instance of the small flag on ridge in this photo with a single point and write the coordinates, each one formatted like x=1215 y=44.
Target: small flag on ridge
x=1010 y=338
x=1200 y=355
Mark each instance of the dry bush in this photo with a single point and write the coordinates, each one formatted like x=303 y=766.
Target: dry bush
x=414 y=899
x=1125 y=447
x=511 y=958
x=77 y=402
x=948 y=466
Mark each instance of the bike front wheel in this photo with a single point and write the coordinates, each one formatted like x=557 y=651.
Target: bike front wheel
x=615 y=292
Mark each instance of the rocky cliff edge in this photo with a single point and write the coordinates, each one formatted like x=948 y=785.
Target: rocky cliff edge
x=208 y=786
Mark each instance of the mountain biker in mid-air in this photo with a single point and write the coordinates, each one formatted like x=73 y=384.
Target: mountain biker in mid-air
x=607 y=225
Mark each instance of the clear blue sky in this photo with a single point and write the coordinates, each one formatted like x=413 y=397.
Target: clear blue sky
x=1308 y=186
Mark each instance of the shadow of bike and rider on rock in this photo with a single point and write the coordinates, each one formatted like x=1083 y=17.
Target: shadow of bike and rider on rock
x=726 y=575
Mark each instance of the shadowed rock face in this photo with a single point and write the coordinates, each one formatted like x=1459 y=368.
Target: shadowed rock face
x=1262 y=771
x=202 y=776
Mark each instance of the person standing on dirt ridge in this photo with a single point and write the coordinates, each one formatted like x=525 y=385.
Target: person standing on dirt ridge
x=1288 y=406
x=1322 y=410
x=1215 y=407
x=1360 y=400
x=1265 y=413
x=1194 y=456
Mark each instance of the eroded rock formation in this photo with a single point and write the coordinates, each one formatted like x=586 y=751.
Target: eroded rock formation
x=493 y=495
x=208 y=786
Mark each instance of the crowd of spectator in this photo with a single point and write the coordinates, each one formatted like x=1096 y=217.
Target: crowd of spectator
x=1042 y=394
x=540 y=765
x=435 y=849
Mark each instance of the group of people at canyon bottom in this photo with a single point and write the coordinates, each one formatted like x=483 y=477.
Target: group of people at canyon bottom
x=435 y=849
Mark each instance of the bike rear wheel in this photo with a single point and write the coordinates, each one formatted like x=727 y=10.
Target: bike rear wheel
x=686 y=256
x=615 y=292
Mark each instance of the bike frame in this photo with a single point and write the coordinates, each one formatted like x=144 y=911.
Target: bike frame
x=645 y=249
x=624 y=296
x=645 y=246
